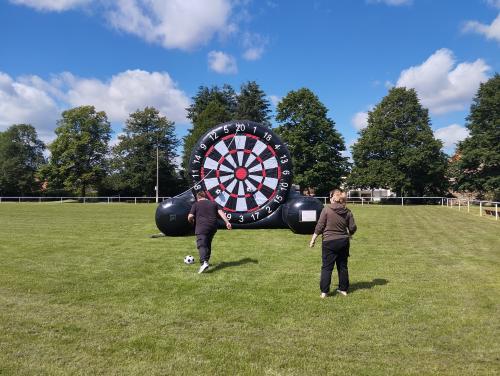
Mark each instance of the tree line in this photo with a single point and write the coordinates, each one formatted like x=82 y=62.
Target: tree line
x=397 y=150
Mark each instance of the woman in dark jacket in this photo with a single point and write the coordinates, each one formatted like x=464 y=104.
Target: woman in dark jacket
x=336 y=225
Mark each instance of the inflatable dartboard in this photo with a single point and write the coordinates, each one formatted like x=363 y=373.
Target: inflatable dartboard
x=244 y=167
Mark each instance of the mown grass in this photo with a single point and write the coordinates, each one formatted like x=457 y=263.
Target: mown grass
x=85 y=290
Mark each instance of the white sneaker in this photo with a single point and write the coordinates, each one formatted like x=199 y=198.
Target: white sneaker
x=323 y=295
x=203 y=267
x=342 y=292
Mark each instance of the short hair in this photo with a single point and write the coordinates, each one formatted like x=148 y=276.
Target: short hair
x=201 y=194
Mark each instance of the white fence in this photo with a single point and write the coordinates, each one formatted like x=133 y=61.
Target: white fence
x=488 y=208
x=85 y=200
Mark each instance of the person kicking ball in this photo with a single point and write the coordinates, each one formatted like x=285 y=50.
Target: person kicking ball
x=204 y=215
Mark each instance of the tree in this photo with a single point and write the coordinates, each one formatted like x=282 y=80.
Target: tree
x=253 y=104
x=211 y=106
x=135 y=155
x=397 y=150
x=225 y=96
x=78 y=154
x=478 y=159
x=313 y=142
x=21 y=155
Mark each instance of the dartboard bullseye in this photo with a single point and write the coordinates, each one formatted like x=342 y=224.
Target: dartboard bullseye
x=244 y=167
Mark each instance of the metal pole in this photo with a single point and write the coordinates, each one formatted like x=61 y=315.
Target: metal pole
x=402 y=201
x=496 y=212
x=468 y=206
x=157 y=169
x=362 y=201
x=480 y=208
x=459 y=205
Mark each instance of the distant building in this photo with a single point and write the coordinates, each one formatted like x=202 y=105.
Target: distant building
x=373 y=194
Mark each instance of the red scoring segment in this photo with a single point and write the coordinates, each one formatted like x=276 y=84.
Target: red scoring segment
x=241 y=173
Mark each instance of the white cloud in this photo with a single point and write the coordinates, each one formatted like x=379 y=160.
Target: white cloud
x=254 y=45
x=182 y=24
x=388 y=85
x=392 y=2
x=22 y=102
x=489 y=31
x=52 y=5
x=360 y=120
x=220 y=62
x=348 y=149
x=31 y=99
x=128 y=91
x=275 y=100
x=494 y=3
x=442 y=85
x=451 y=135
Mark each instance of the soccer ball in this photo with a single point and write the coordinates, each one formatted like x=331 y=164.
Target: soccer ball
x=189 y=260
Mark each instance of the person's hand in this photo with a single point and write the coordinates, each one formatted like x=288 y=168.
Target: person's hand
x=229 y=226
x=311 y=243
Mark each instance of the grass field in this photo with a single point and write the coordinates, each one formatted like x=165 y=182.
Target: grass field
x=85 y=290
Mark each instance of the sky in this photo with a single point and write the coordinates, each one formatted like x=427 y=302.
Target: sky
x=123 y=55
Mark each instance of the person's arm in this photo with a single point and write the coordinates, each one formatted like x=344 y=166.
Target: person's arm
x=351 y=224
x=320 y=227
x=313 y=240
x=224 y=218
x=192 y=213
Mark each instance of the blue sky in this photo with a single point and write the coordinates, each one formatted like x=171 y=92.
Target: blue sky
x=125 y=54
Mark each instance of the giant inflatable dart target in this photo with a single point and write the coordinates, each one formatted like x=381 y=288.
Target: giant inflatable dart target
x=245 y=168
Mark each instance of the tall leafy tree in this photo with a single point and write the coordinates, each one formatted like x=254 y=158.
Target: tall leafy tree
x=398 y=150
x=226 y=97
x=253 y=104
x=146 y=132
x=21 y=155
x=210 y=107
x=314 y=143
x=478 y=158
x=78 y=154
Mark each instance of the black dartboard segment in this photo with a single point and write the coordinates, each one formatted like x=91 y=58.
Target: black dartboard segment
x=244 y=167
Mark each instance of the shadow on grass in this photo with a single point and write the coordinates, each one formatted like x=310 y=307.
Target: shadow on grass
x=367 y=285
x=223 y=265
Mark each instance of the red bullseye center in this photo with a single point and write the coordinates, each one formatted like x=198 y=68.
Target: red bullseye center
x=241 y=173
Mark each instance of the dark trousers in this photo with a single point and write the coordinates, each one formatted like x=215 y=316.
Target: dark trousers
x=204 y=245
x=334 y=251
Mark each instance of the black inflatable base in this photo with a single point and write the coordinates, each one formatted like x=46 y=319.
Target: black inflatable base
x=298 y=213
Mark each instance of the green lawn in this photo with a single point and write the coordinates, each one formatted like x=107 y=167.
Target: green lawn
x=85 y=290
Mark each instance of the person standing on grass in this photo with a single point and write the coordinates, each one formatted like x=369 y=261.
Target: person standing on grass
x=336 y=225
x=204 y=215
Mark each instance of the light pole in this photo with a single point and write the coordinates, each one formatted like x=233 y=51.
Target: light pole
x=157 y=172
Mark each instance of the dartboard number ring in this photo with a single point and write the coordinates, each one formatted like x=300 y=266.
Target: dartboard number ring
x=244 y=167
